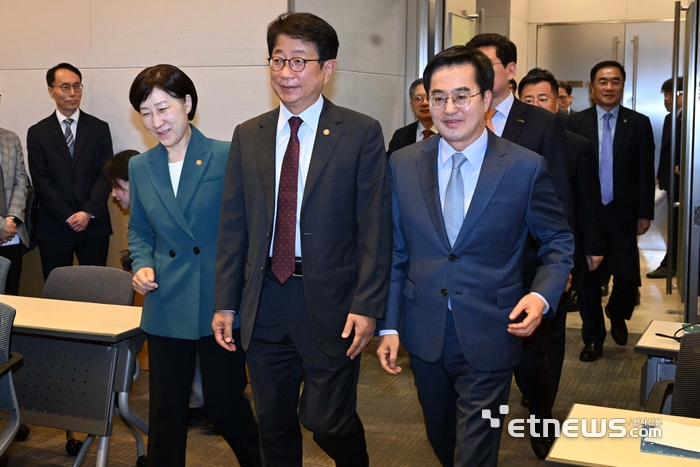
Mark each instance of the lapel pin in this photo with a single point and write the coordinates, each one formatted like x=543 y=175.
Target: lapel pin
x=326 y=132
x=625 y=120
x=520 y=120
x=199 y=162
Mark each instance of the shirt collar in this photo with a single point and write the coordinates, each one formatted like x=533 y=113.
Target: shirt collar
x=601 y=111
x=505 y=105
x=422 y=128
x=310 y=116
x=62 y=117
x=474 y=152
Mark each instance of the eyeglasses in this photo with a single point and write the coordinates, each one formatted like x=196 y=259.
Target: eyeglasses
x=459 y=99
x=419 y=98
x=296 y=64
x=540 y=99
x=67 y=87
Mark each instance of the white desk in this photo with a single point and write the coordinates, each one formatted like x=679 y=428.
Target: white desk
x=661 y=355
x=78 y=357
x=613 y=452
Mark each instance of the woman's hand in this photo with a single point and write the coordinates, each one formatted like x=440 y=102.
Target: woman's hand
x=144 y=281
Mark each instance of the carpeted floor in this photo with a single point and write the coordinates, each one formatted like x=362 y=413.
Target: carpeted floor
x=389 y=410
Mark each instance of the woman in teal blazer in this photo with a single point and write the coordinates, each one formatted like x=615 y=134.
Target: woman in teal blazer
x=175 y=197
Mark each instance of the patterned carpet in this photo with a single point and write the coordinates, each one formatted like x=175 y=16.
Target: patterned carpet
x=390 y=413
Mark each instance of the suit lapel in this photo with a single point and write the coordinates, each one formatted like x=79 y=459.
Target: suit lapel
x=426 y=166
x=492 y=170
x=515 y=121
x=620 y=130
x=58 y=138
x=265 y=149
x=591 y=128
x=196 y=162
x=157 y=166
x=324 y=144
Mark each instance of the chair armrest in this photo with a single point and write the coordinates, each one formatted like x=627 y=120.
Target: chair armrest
x=658 y=395
x=14 y=363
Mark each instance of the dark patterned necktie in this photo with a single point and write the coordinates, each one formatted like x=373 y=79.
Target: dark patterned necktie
x=286 y=223
x=489 y=123
x=68 y=134
x=427 y=134
x=605 y=172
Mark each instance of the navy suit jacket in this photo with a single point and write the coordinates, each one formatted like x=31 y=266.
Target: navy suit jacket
x=65 y=185
x=482 y=274
x=633 y=160
x=403 y=137
x=345 y=223
x=665 y=156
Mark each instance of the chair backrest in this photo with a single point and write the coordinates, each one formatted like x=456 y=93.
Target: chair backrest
x=7 y=317
x=96 y=284
x=686 y=388
x=4 y=268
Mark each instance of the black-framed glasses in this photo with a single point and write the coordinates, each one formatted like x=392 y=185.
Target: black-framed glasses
x=675 y=336
x=438 y=101
x=540 y=99
x=67 y=87
x=296 y=64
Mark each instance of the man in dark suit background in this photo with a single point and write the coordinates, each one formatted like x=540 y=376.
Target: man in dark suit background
x=463 y=205
x=419 y=130
x=67 y=152
x=663 y=174
x=541 y=132
x=306 y=227
x=624 y=144
x=564 y=99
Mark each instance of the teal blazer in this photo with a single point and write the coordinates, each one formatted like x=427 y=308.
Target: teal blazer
x=177 y=236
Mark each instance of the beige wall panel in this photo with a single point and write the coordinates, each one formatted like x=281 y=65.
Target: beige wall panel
x=381 y=97
x=518 y=34
x=32 y=37
x=372 y=34
x=653 y=9
x=519 y=9
x=227 y=97
x=556 y=11
x=140 y=33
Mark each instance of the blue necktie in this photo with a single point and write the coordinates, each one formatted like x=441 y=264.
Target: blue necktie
x=605 y=172
x=70 y=141
x=454 y=199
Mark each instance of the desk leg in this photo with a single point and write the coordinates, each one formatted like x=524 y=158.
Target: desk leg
x=127 y=415
x=83 y=451
x=102 y=451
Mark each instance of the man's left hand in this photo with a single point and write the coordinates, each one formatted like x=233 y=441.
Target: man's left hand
x=79 y=221
x=642 y=226
x=364 y=330
x=533 y=306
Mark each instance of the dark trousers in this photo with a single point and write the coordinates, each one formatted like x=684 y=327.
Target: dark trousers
x=224 y=379
x=14 y=254
x=89 y=251
x=674 y=252
x=282 y=354
x=452 y=395
x=622 y=261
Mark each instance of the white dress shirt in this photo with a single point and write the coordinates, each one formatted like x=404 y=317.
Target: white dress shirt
x=501 y=116
x=73 y=126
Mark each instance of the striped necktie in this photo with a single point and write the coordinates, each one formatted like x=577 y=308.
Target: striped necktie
x=70 y=141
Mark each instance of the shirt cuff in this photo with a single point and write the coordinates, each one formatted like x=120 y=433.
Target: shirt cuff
x=546 y=305
x=229 y=311
x=388 y=332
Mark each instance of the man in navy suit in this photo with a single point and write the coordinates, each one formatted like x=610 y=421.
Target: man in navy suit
x=67 y=152
x=463 y=205
x=624 y=145
x=306 y=228
x=419 y=130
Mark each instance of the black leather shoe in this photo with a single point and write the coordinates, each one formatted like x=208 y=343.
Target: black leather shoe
x=591 y=353
x=658 y=273
x=618 y=329
x=541 y=446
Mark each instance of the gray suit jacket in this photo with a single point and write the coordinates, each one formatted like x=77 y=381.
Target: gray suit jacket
x=15 y=181
x=482 y=274
x=345 y=223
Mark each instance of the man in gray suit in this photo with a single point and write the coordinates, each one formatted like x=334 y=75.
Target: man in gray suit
x=462 y=207
x=13 y=200
x=305 y=226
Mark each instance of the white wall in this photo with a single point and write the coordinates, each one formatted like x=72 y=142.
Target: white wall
x=574 y=11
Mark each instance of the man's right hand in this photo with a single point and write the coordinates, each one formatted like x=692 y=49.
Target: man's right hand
x=8 y=231
x=387 y=353
x=144 y=281
x=222 y=325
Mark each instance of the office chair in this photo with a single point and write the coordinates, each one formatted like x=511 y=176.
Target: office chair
x=95 y=284
x=10 y=362
x=686 y=386
x=4 y=269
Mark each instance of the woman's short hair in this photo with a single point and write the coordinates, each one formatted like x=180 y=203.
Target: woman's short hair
x=117 y=168
x=168 y=78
